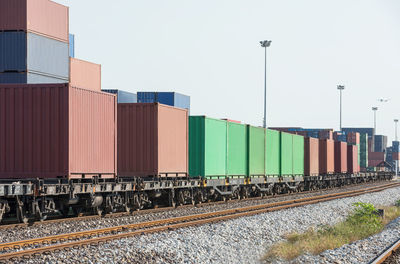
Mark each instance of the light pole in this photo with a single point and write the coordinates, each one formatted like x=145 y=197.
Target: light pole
x=395 y=139
x=374 y=108
x=265 y=44
x=340 y=88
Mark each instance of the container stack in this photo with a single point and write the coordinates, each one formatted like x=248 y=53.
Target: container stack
x=380 y=143
x=375 y=158
x=353 y=138
x=363 y=150
x=340 y=136
x=34 y=42
x=123 y=97
x=168 y=98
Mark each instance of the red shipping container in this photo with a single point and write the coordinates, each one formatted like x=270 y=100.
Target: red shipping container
x=325 y=134
x=353 y=138
x=326 y=156
x=340 y=157
x=41 y=17
x=352 y=159
x=152 y=140
x=376 y=156
x=84 y=74
x=311 y=156
x=56 y=131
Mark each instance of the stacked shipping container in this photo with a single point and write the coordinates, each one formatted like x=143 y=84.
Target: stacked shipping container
x=168 y=98
x=122 y=96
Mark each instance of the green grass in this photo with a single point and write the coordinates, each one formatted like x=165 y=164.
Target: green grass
x=362 y=223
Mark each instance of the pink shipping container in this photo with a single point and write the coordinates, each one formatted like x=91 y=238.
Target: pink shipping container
x=85 y=74
x=326 y=156
x=376 y=155
x=152 y=140
x=352 y=159
x=353 y=138
x=340 y=157
x=325 y=134
x=56 y=131
x=311 y=156
x=41 y=17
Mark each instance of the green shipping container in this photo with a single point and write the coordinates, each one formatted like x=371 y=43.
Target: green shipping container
x=256 y=150
x=364 y=150
x=286 y=154
x=207 y=147
x=298 y=155
x=273 y=152
x=236 y=159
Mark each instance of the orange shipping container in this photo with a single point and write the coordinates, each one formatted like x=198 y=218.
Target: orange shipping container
x=84 y=74
x=42 y=17
x=56 y=131
x=152 y=140
x=352 y=159
x=311 y=156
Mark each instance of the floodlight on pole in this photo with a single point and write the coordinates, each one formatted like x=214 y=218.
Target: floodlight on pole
x=374 y=108
x=265 y=44
x=340 y=88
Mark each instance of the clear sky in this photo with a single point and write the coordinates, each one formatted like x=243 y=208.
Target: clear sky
x=209 y=49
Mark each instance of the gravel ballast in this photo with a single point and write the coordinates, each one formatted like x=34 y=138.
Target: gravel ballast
x=243 y=240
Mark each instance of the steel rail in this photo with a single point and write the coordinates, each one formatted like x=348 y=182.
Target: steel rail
x=382 y=257
x=163 y=225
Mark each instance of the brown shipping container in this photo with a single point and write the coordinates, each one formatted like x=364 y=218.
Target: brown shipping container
x=352 y=159
x=56 y=131
x=353 y=138
x=374 y=163
x=42 y=17
x=395 y=155
x=326 y=156
x=311 y=156
x=325 y=134
x=376 y=156
x=152 y=140
x=85 y=74
x=340 y=157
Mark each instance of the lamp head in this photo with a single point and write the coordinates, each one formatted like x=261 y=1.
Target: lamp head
x=265 y=43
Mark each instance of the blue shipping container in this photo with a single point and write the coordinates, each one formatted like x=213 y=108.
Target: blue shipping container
x=168 y=98
x=28 y=52
x=122 y=96
x=342 y=138
x=313 y=134
x=72 y=45
x=24 y=77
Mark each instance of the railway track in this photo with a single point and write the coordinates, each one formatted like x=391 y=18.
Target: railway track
x=146 y=211
x=32 y=247
x=386 y=255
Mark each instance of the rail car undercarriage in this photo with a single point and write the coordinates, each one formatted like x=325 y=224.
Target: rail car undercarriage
x=27 y=200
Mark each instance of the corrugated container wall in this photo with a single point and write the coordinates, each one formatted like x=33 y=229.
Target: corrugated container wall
x=352 y=164
x=207 y=147
x=42 y=17
x=256 y=150
x=326 y=156
x=286 y=154
x=236 y=159
x=27 y=52
x=340 y=157
x=122 y=96
x=152 y=140
x=85 y=74
x=31 y=78
x=72 y=45
x=298 y=155
x=311 y=156
x=364 y=150
x=273 y=152
x=53 y=130
x=353 y=138
x=168 y=98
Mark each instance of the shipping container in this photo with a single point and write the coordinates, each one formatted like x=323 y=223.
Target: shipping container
x=27 y=77
x=27 y=52
x=230 y=120
x=256 y=151
x=122 y=96
x=311 y=156
x=364 y=150
x=72 y=45
x=340 y=157
x=237 y=149
x=380 y=143
x=395 y=156
x=325 y=134
x=273 y=152
x=42 y=17
x=168 y=98
x=302 y=133
x=56 y=131
x=152 y=140
x=361 y=130
x=326 y=156
x=313 y=134
x=85 y=74
x=207 y=147
x=376 y=156
x=374 y=163
x=396 y=146
x=352 y=162
x=353 y=138
x=286 y=154
x=298 y=155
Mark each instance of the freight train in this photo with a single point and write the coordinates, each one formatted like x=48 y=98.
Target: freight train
x=66 y=150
